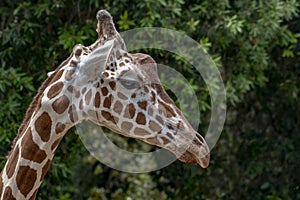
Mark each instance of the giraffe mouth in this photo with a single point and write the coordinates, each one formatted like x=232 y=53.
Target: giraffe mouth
x=197 y=152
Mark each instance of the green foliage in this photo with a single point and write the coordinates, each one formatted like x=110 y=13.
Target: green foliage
x=70 y=36
x=13 y=85
x=124 y=23
x=255 y=45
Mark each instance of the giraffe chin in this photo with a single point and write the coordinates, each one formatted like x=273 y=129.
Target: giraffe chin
x=192 y=159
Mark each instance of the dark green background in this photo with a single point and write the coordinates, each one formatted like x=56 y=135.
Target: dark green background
x=255 y=45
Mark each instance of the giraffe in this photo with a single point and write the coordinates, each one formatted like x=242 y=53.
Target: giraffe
x=109 y=86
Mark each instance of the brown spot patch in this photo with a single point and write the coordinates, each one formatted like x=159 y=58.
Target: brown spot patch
x=169 y=112
x=105 y=75
x=179 y=125
x=129 y=111
x=112 y=85
x=72 y=113
x=83 y=90
x=93 y=114
x=107 y=101
x=118 y=107
x=70 y=88
x=81 y=104
x=153 y=140
x=150 y=111
x=45 y=169
x=159 y=119
x=70 y=74
x=171 y=127
x=25 y=179
x=73 y=63
x=140 y=132
x=104 y=91
x=77 y=93
x=61 y=104
x=12 y=162
x=141 y=119
x=121 y=96
x=170 y=135
x=78 y=52
x=97 y=100
x=109 y=117
x=30 y=150
x=161 y=92
x=122 y=64
x=153 y=97
x=164 y=140
x=55 y=144
x=55 y=90
x=8 y=194
x=88 y=97
x=43 y=126
x=97 y=85
x=39 y=103
x=133 y=96
x=60 y=127
x=154 y=126
x=118 y=55
x=84 y=114
x=146 y=90
x=126 y=126
x=143 y=104
x=57 y=76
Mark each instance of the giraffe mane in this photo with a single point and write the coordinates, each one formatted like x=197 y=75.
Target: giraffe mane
x=33 y=105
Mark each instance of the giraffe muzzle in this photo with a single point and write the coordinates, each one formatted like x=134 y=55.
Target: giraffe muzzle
x=194 y=152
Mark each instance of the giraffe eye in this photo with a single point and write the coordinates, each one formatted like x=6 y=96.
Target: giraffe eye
x=129 y=84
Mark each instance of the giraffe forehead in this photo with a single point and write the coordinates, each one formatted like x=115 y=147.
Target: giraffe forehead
x=124 y=64
x=127 y=72
x=140 y=67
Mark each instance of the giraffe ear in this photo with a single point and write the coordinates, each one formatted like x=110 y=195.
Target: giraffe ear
x=92 y=65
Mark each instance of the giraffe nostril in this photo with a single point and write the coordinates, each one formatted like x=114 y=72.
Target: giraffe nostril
x=199 y=138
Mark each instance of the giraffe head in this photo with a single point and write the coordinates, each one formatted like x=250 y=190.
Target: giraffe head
x=122 y=92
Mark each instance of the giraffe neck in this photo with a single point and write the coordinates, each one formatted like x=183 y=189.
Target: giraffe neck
x=56 y=108
x=31 y=156
x=51 y=115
